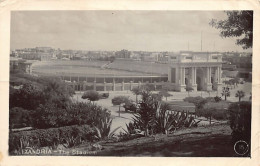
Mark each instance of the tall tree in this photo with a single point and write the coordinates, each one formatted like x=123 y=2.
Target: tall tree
x=225 y=92
x=240 y=94
x=237 y=24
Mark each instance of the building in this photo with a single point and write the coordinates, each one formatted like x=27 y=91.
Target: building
x=199 y=70
x=17 y=64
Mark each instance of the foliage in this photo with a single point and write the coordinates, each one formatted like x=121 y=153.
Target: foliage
x=198 y=101
x=136 y=91
x=19 y=117
x=163 y=121
x=210 y=99
x=103 y=129
x=240 y=94
x=38 y=91
x=240 y=121
x=225 y=92
x=57 y=92
x=103 y=95
x=68 y=136
x=217 y=99
x=49 y=115
x=118 y=100
x=149 y=87
x=165 y=94
x=28 y=97
x=130 y=106
x=91 y=95
x=153 y=117
x=218 y=114
x=238 y=24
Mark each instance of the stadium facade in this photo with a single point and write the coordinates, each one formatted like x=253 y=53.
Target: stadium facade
x=199 y=70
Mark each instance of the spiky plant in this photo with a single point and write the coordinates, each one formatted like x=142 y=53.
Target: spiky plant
x=103 y=129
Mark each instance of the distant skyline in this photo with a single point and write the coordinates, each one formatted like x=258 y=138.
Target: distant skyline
x=117 y=30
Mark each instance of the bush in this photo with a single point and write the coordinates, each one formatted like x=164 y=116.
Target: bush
x=198 y=101
x=104 y=95
x=91 y=95
x=68 y=136
x=28 y=97
x=130 y=106
x=210 y=99
x=218 y=114
x=47 y=116
x=19 y=118
x=240 y=121
x=217 y=99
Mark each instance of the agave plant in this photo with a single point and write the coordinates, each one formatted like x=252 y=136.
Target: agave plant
x=103 y=129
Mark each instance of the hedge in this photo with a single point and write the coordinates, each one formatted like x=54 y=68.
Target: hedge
x=68 y=136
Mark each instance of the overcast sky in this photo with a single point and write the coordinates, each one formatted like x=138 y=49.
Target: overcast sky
x=116 y=30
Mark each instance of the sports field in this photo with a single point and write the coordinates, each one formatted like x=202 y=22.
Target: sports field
x=81 y=67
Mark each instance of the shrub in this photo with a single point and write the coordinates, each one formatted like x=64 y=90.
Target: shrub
x=240 y=121
x=28 y=97
x=91 y=95
x=104 y=95
x=103 y=129
x=130 y=106
x=19 y=118
x=119 y=100
x=217 y=99
x=210 y=99
x=68 y=136
x=153 y=117
x=198 y=101
x=218 y=114
x=47 y=116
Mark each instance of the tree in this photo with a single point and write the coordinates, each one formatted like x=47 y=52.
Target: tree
x=165 y=94
x=29 y=97
x=148 y=87
x=118 y=100
x=189 y=89
x=57 y=92
x=238 y=24
x=240 y=121
x=136 y=91
x=240 y=94
x=91 y=95
x=225 y=92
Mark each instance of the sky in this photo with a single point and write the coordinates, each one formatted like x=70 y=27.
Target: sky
x=117 y=30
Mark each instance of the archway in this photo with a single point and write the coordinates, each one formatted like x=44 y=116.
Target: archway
x=199 y=79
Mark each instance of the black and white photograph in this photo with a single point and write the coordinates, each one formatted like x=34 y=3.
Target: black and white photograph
x=130 y=83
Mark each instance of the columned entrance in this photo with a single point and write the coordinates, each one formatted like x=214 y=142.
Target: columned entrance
x=200 y=78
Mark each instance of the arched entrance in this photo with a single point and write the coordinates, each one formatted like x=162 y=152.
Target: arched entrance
x=199 y=79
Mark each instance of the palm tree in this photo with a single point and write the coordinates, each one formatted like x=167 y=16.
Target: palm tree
x=225 y=92
x=240 y=94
